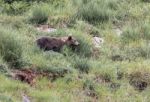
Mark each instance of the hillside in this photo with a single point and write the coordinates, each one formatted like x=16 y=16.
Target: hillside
x=110 y=64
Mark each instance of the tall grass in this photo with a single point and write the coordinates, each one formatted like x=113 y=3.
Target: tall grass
x=39 y=14
x=145 y=1
x=130 y=35
x=13 y=21
x=87 y=28
x=82 y=65
x=47 y=61
x=15 y=8
x=96 y=10
x=136 y=33
x=107 y=79
x=10 y=46
x=85 y=47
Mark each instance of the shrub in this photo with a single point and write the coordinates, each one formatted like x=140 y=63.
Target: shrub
x=3 y=66
x=67 y=51
x=47 y=61
x=145 y=0
x=59 y=21
x=10 y=47
x=145 y=31
x=15 y=8
x=13 y=21
x=39 y=14
x=112 y=4
x=5 y=98
x=85 y=47
x=96 y=10
x=88 y=84
x=136 y=33
x=91 y=13
x=135 y=52
x=81 y=64
x=87 y=28
x=62 y=13
x=130 y=35
x=57 y=3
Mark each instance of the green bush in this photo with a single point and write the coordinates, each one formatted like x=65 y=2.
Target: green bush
x=81 y=64
x=15 y=8
x=13 y=21
x=85 y=47
x=39 y=14
x=87 y=28
x=10 y=47
x=112 y=4
x=145 y=0
x=136 y=33
x=4 y=98
x=145 y=31
x=57 y=3
x=88 y=84
x=46 y=61
x=3 y=66
x=142 y=51
x=130 y=35
x=96 y=10
x=51 y=1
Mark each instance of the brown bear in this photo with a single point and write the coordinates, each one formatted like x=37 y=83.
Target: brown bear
x=56 y=44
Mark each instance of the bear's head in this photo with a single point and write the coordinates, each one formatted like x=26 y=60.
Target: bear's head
x=71 y=41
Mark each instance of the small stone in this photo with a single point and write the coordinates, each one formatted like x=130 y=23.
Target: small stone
x=25 y=98
x=97 y=41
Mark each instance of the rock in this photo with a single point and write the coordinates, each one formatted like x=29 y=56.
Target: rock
x=25 y=98
x=97 y=41
x=118 y=31
x=45 y=28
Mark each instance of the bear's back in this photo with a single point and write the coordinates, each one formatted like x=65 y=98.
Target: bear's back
x=50 y=43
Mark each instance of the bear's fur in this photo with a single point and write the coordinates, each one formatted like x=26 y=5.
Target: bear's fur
x=55 y=44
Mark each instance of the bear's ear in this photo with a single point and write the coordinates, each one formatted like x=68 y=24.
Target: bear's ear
x=69 y=37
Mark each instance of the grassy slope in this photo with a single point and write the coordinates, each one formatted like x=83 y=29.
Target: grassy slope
x=130 y=16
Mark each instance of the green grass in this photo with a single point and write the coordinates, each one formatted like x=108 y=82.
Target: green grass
x=97 y=10
x=109 y=80
x=39 y=14
x=10 y=47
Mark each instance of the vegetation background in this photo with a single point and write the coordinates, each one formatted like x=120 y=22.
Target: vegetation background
x=118 y=71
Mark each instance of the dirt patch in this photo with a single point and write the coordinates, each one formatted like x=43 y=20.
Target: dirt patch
x=139 y=80
x=89 y=89
x=106 y=79
x=25 y=75
x=117 y=58
x=138 y=84
x=96 y=53
x=91 y=93
x=29 y=76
